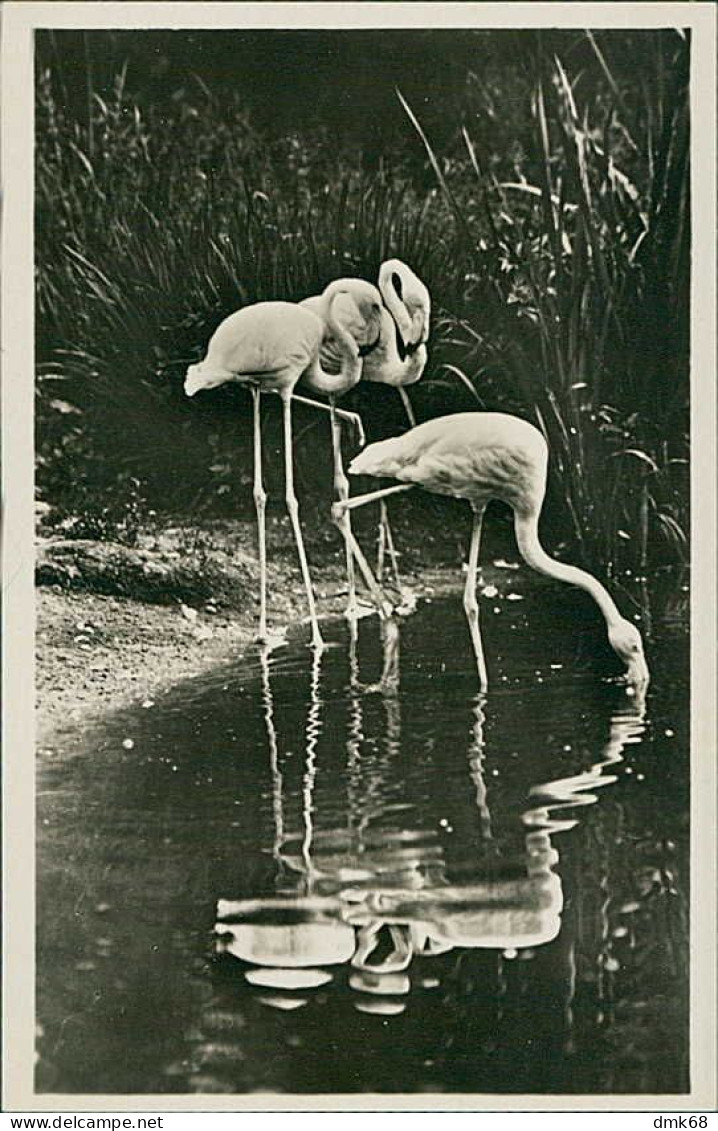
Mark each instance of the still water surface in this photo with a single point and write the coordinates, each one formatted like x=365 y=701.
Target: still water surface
x=274 y=879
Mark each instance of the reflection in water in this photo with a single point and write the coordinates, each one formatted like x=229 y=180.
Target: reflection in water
x=351 y=873
x=376 y=903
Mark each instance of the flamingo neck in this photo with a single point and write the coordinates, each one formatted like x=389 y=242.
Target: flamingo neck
x=534 y=555
x=394 y=304
x=351 y=365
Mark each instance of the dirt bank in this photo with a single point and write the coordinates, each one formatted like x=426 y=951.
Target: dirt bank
x=99 y=649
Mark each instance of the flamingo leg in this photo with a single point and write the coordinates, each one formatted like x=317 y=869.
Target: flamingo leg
x=372 y=496
x=471 y=604
x=352 y=418
x=260 y=502
x=407 y=407
x=338 y=510
x=341 y=486
x=386 y=540
x=389 y=538
x=293 y=511
x=382 y=604
x=381 y=541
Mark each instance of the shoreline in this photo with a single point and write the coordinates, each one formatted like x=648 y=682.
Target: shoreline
x=98 y=653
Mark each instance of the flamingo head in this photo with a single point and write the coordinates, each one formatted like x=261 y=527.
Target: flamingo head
x=626 y=641
x=357 y=306
x=204 y=376
x=408 y=301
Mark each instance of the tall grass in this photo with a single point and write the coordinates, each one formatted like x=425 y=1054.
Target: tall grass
x=576 y=304
x=150 y=230
x=558 y=263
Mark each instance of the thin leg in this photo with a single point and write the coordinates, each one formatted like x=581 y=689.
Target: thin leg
x=352 y=418
x=260 y=501
x=338 y=510
x=381 y=541
x=383 y=605
x=371 y=496
x=341 y=486
x=293 y=511
x=471 y=604
x=407 y=406
x=390 y=546
x=386 y=540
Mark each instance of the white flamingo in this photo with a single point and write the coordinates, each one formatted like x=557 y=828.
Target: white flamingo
x=400 y=359
x=357 y=308
x=401 y=355
x=480 y=456
x=394 y=356
x=268 y=346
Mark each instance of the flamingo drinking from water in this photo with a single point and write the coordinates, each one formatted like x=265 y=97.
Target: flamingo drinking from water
x=480 y=456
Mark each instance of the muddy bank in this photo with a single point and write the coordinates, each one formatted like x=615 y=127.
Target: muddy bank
x=118 y=625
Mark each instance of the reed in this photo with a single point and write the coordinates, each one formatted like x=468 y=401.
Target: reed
x=575 y=311
x=558 y=264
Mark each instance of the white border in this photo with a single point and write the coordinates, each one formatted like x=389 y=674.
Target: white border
x=19 y=20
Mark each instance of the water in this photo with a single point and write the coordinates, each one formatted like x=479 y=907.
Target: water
x=276 y=880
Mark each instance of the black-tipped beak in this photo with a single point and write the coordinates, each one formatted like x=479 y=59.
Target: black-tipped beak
x=401 y=349
x=364 y=351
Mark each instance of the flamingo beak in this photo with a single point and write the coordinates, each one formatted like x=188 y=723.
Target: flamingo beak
x=365 y=350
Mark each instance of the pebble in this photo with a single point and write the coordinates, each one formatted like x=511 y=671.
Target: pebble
x=128 y=743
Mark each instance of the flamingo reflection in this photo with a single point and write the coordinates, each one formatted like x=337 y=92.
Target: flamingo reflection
x=359 y=898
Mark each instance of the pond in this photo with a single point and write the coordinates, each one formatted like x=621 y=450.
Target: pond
x=281 y=879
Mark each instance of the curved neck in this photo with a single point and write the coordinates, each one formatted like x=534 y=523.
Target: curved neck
x=351 y=365
x=394 y=305
x=533 y=553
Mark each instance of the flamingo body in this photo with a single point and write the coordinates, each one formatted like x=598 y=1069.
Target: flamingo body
x=481 y=456
x=476 y=456
x=268 y=343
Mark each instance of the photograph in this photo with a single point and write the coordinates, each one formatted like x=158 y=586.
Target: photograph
x=370 y=749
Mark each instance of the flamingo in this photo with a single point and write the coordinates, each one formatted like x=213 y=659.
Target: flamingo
x=480 y=456
x=395 y=355
x=268 y=345
x=401 y=355
x=400 y=359
x=357 y=308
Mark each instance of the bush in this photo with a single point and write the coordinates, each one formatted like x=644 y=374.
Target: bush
x=555 y=240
